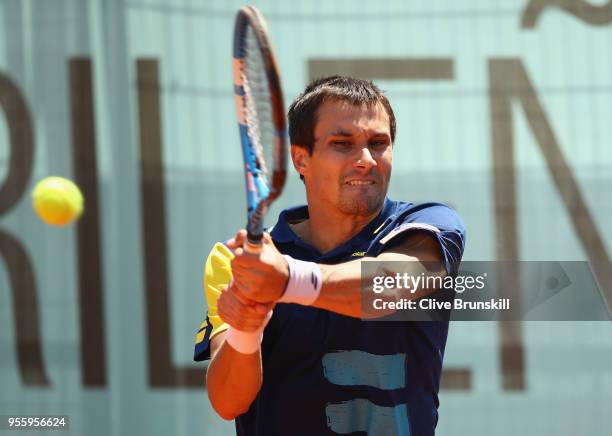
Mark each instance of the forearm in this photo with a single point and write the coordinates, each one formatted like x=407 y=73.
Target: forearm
x=233 y=380
x=342 y=291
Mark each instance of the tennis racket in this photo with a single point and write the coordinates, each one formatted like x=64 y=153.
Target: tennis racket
x=261 y=119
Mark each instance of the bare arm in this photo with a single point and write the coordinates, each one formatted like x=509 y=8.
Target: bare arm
x=263 y=278
x=341 y=290
x=233 y=379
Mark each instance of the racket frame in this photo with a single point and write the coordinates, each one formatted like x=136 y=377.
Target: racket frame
x=260 y=194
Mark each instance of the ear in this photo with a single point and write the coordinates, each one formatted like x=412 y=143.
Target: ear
x=300 y=158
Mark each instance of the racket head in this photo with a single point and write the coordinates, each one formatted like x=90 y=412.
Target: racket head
x=260 y=111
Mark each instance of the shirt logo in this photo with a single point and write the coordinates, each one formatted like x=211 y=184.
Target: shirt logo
x=358 y=254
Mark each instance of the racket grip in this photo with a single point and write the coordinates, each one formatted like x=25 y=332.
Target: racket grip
x=252 y=247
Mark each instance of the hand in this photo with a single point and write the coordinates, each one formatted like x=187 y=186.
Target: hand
x=260 y=277
x=242 y=314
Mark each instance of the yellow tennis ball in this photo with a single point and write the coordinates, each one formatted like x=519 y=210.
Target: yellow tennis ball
x=57 y=201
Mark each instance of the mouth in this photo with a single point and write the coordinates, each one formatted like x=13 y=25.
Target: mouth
x=360 y=182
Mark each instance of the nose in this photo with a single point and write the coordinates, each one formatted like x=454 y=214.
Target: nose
x=365 y=160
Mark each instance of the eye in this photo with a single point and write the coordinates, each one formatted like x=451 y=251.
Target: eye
x=342 y=145
x=379 y=144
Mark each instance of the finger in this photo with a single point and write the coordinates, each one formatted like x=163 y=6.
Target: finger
x=237 y=240
x=240 y=237
x=241 y=306
x=238 y=264
x=241 y=275
x=266 y=238
x=247 y=292
x=243 y=256
x=224 y=309
x=240 y=296
x=263 y=309
x=237 y=315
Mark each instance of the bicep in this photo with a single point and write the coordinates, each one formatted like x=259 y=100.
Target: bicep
x=416 y=246
x=420 y=255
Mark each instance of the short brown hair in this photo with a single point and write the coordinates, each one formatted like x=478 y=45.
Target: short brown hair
x=303 y=111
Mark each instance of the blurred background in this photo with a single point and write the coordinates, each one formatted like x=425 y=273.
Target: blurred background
x=503 y=108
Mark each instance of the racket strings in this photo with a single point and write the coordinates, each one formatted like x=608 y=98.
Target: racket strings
x=258 y=110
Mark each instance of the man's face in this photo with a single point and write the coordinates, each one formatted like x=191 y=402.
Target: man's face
x=351 y=162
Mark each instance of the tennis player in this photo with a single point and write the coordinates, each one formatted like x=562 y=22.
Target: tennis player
x=290 y=353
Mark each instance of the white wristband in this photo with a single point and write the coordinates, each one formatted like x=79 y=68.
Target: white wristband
x=246 y=342
x=305 y=281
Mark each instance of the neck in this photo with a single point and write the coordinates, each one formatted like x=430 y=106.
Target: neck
x=326 y=229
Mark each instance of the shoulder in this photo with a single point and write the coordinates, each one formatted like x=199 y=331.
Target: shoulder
x=441 y=223
x=438 y=215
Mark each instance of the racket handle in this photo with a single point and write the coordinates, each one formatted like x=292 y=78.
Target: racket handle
x=252 y=247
